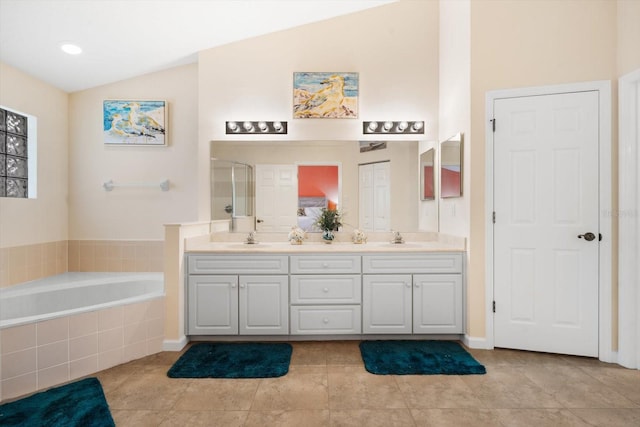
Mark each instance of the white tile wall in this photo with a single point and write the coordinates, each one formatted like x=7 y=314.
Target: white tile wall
x=41 y=355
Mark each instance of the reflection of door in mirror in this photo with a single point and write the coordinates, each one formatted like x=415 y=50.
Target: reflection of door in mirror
x=427 y=175
x=276 y=197
x=451 y=167
x=318 y=188
x=375 y=196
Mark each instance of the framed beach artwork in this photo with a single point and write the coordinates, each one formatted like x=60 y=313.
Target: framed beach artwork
x=325 y=95
x=131 y=122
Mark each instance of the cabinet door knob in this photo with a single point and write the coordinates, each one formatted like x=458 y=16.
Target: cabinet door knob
x=417 y=285
x=407 y=284
x=233 y=285
x=242 y=285
x=325 y=265
x=325 y=320
x=325 y=290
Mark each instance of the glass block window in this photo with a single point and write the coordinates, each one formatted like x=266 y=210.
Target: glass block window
x=14 y=172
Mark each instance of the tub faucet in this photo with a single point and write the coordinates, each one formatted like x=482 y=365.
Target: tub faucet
x=251 y=238
x=397 y=237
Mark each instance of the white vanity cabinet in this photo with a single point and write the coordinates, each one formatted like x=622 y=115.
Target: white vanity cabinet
x=325 y=294
x=237 y=294
x=412 y=293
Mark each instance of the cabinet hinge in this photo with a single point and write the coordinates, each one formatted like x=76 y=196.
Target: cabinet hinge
x=493 y=125
x=494 y=306
x=494 y=217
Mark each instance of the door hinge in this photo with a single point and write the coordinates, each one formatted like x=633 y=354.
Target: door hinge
x=494 y=217
x=493 y=124
x=494 y=306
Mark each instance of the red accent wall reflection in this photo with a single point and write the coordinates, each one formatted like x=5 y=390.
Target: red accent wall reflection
x=319 y=181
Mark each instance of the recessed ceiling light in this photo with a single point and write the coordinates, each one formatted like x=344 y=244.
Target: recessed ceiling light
x=71 y=49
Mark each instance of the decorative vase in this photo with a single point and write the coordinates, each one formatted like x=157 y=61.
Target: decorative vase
x=328 y=236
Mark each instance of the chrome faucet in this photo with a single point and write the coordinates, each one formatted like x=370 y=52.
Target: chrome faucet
x=251 y=238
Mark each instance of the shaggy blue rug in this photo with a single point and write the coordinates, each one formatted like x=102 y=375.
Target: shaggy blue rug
x=81 y=403
x=418 y=358
x=233 y=360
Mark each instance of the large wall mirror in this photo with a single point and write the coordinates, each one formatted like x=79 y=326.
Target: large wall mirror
x=451 y=167
x=427 y=175
x=313 y=168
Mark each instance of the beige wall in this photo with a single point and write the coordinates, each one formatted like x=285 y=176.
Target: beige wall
x=44 y=219
x=628 y=36
x=133 y=213
x=519 y=44
x=393 y=47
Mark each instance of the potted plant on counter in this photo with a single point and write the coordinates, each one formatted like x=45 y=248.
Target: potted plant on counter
x=329 y=221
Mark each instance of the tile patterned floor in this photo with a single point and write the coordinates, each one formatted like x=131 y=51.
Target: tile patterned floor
x=327 y=385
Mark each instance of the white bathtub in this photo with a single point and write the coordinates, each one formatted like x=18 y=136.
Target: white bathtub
x=64 y=327
x=73 y=293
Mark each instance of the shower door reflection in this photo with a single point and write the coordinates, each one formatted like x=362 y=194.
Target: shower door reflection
x=232 y=192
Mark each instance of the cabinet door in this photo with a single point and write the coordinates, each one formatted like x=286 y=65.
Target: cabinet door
x=264 y=305
x=386 y=304
x=212 y=305
x=437 y=304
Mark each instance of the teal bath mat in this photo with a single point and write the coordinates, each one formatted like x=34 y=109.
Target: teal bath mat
x=233 y=360
x=81 y=403
x=418 y=358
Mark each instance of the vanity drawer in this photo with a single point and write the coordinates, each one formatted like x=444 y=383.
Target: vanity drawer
x=320 y=320
x=413 y=263
x=329 y=264
x=235 y=264
x=326 y=289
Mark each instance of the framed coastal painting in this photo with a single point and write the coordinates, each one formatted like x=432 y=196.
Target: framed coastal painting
x=134 y=122
x=325 y=95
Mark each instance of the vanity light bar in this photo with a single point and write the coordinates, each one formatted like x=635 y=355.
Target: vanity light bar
x=260 y=127
x=393 y=127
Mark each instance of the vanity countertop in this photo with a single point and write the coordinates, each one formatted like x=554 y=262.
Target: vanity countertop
x=441 y=245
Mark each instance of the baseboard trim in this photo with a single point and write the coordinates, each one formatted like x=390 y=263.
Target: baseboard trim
x=476 y=342
x=174 y=345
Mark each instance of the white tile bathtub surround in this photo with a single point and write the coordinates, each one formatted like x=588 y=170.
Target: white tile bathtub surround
x=53 y=354
x=83 y=324
x=53 y=330
x=83 y=347
x=18 y=338
x=82 y=367
x=44 y=354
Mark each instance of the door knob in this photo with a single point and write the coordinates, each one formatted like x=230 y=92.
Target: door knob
x=259 y=221
x=587 y=236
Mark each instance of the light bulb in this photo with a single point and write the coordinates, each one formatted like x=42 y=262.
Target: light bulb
x=277 y=126
x=417 y=126
x=263 y=126
x=248 y=126
x=372 y=126
x=402 y=126
x=233 y=126
x=387 y=126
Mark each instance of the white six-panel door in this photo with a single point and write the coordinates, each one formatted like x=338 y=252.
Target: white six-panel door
x=546 y=201
x=276 y=197
x=375 y=196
